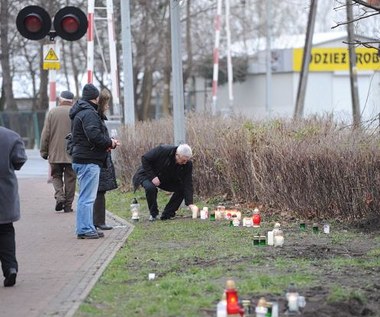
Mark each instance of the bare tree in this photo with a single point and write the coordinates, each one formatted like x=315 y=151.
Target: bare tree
x=7 y=86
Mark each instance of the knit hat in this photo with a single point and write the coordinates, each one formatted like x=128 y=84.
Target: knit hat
x=90 y=92
x=66 y=95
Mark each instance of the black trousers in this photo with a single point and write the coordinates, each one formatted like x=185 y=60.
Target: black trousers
x=100 y=209
x=174 y=202
x=7 y=247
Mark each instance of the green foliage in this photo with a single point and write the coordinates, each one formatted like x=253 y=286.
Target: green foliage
x=192 y=260
x=341 y=294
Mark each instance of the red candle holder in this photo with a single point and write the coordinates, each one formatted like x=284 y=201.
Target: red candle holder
x=256 y=219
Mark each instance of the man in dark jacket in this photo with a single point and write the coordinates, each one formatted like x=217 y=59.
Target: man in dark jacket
x=169 y=168
x=91 y=143
x=12 y=157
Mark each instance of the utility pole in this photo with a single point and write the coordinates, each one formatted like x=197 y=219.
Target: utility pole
x=268 y=103
x=129 y=100
x=353 y=70
x=178 y=100
x=300 y=102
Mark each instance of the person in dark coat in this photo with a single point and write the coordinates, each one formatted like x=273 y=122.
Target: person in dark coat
x=12 y=157
x=107 y=177
x=169 y=168
x=91 y=144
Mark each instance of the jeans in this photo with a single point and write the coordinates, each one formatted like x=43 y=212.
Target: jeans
x=88 y=181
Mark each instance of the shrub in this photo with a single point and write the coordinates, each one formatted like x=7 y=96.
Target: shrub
x=313 y=167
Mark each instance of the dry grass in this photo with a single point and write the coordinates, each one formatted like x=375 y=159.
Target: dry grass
x=313 y=168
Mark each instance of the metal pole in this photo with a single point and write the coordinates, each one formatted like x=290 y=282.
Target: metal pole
x=217 y=25
x=129 y=100
x=353 y=70
x=114 y=70
x=229 y=62
x=178 y=101
x=268 y=90
x=300 y=103
x=90 y=41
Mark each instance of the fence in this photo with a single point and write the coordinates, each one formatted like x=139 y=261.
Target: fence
x=28 y=124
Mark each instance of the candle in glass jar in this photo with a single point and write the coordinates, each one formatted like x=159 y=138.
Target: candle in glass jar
x=256 y=219
x=293 y=302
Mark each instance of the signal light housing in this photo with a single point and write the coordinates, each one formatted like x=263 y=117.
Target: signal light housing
x=70 y=23
x=33 y=22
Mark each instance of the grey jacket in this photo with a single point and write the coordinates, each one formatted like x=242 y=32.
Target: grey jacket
x=12 y=157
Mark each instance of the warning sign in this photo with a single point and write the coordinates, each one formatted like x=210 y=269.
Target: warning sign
x=51 y=56
x=51 y=59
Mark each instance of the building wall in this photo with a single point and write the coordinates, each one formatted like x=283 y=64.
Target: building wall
x=328 y=86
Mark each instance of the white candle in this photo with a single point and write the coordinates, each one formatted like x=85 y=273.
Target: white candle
x=293 y=302
x=278 y=241
x=270 y=238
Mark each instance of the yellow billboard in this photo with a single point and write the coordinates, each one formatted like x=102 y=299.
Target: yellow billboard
x=335 y=59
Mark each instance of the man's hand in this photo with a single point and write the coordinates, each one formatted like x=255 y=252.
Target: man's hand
x=115 y=143
x=156 y=181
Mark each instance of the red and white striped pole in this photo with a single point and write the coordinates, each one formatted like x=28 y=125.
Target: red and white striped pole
x=90 y=41
x=114 y=72
x=218 y=22
x=52 y=89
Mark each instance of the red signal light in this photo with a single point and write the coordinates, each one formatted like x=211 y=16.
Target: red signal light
x=70 y=24
x=33 y=22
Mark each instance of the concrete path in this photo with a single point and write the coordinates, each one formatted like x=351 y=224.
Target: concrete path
x=56 y=270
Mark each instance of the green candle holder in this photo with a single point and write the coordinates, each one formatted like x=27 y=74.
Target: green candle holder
x=256 y=240
x=212 y=217
x=315 y=229
x=302 y=226
x=263 y=241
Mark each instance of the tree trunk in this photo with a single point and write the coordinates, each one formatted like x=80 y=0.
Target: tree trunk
x=5 y=63
x=147 y=88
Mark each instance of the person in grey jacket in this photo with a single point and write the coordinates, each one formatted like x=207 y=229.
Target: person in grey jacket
x=53 y=147
x=12 y=157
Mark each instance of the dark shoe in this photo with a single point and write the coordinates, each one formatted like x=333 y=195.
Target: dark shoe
x=89 y=235
x=10 y=279
x=100 y=234
x=59 y=206
x=166 y=216
x=66 y=209
x=103 y=227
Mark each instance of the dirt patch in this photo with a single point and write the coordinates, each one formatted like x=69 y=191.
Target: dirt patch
x=354 y=273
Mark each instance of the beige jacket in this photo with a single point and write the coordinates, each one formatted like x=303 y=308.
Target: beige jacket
x=57 y=125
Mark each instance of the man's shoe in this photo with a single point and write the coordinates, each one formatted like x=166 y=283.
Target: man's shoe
x=10 y=279
x=89 y=235
x=152 y=218
x=66 y=209
x=165 y=217
x=59 y=206
x=100 y=234
x=103 y=227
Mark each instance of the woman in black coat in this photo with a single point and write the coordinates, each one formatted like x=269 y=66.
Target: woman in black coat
x=107 y=177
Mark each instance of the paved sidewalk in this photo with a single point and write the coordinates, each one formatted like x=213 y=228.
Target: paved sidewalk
x=56 y=270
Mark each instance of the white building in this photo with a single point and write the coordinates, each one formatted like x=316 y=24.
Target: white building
x=328 y=84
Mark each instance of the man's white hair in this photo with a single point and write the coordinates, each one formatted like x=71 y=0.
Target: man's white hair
x=184 y=150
